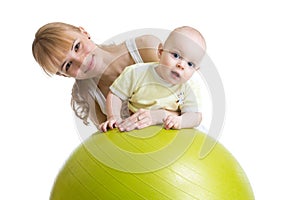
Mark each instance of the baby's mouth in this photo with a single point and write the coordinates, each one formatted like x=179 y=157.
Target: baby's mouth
x=175 y=74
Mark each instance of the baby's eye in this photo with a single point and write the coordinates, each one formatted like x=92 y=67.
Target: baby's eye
x=191 y=64
x=77 y=46
x=175 y=55
x=68 y=65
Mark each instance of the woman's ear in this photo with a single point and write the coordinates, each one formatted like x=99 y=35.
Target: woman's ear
x=159 y=50
x=84 y=32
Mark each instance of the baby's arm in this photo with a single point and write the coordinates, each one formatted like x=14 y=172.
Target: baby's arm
x=113 y=106
x=186 y=120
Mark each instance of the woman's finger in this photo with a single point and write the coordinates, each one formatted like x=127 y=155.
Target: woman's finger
x=145 y=122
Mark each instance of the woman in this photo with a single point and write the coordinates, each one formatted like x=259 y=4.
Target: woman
x=67 y=50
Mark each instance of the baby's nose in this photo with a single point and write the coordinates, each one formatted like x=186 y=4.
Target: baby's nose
x=180 y=65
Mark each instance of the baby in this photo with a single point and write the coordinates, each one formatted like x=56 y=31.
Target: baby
x=163 y=86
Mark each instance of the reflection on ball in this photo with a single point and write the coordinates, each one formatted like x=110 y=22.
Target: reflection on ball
x=150 y=164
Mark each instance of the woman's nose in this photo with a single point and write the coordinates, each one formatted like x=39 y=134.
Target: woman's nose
x=78 y=59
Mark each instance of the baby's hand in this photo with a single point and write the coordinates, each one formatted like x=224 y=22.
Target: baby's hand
x=172 y=122
x=109 y=124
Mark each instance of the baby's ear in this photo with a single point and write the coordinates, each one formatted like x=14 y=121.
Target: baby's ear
x=160 y=50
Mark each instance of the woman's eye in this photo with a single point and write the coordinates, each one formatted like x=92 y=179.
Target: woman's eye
x=68 y=65
x=77 y=46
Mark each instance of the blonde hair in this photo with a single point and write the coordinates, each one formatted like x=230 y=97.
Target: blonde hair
x=79 y=104
x=51 y=44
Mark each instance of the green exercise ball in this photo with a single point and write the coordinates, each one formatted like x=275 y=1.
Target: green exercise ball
x=152 y=163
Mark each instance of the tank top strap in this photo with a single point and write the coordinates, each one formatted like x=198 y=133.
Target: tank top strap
x=132 y=49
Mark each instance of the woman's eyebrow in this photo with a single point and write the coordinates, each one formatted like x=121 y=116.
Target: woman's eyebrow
x=61 y=68
x=72 y=47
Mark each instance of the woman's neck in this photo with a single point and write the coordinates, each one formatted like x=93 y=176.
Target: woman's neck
x=114 y=59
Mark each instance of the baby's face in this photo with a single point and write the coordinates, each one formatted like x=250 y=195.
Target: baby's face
x=188 y=44
x=180 y=57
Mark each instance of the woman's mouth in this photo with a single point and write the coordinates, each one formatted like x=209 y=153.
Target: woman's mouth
x=90 y=64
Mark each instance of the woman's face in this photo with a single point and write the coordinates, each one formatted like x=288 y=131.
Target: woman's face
x=80 y=61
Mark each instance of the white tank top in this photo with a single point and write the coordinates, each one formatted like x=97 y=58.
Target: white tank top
x=92 y=87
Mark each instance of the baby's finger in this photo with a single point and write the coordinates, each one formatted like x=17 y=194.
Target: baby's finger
x=104 y=126
x=168 y=124
x=100 y=127
x=167 y=119
x=111 y=124
x=175 y=125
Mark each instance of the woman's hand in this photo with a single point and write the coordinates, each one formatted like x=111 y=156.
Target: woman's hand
x=141 y=119
x=144 y=118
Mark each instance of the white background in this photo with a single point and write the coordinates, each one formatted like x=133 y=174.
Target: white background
x=254 y=45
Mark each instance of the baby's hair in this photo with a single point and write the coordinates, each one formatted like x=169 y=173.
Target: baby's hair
x=191 y=30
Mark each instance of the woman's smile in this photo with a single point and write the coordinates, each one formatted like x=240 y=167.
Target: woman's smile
x=91 y=64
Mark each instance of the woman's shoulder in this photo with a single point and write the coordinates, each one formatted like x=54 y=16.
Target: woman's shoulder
x=147 y=46
x=144 y=41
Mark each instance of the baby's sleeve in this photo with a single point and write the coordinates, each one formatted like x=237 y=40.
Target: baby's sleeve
x=123 y=86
